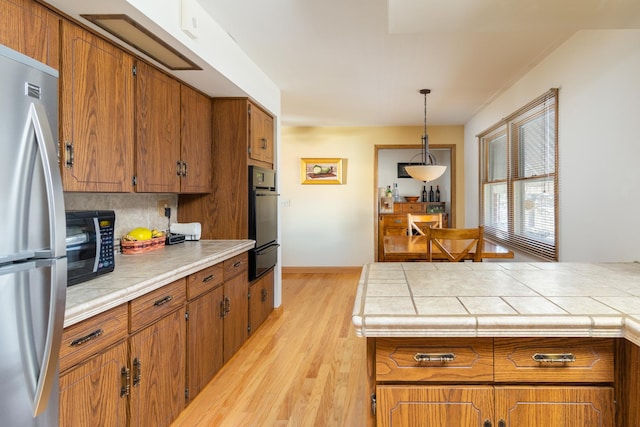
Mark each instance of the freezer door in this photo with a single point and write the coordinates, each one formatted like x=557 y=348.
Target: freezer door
x=32 y=304
x=32 y=220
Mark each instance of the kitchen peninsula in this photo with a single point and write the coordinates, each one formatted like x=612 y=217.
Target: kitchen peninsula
x=502 y=344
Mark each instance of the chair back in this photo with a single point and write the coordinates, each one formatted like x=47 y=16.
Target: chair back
x=434 y=220
x=460 y=241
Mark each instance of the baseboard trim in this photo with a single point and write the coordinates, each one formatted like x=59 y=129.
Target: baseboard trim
x=321 y=270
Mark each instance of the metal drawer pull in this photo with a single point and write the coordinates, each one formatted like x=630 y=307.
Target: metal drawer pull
x=163 y=301
x=237 y=264
x=82 y=340
x=554 y=358
x=436 y=357
x=208 y=278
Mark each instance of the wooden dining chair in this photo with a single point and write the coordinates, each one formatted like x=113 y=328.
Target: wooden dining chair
x=460 y=241
x=433 y=220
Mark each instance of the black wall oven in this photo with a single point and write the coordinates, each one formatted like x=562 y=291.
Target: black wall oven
x=263 y=220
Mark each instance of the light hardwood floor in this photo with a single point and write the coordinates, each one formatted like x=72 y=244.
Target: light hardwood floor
x=303 y=367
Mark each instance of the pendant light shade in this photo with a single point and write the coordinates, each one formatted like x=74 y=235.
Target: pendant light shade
x=427 y=170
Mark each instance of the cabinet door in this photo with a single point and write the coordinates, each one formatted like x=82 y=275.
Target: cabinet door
x=261 y=301
x=91 y=394
x=555 y=406
x=29 y=28
x=236 y=317
x=158 y=371
x=196 y=142
x=158 y=131
x=261 y=135
x=96 y=111
x=204 y=335
x=401 y=406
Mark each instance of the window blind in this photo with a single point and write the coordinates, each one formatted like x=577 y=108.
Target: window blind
x=519 y=178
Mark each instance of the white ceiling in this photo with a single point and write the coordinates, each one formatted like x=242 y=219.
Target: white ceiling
x=362 y=62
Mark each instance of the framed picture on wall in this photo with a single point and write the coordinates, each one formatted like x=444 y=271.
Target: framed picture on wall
x=402 y=172
x=321 y=171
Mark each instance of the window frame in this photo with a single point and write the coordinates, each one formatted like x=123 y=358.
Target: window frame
x=541 y=240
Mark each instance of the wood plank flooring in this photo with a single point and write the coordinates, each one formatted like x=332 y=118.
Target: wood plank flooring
x=303 y=367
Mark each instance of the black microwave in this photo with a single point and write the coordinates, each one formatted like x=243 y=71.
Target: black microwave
x=89 y=244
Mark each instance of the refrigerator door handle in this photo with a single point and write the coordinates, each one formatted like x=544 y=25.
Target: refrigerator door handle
x=48 y=367
x=55 y=198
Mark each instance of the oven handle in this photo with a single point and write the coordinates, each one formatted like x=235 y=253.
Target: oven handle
x=267 y=249
x=267 y=194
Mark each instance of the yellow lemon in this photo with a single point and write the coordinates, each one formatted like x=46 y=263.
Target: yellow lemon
x=140 y=233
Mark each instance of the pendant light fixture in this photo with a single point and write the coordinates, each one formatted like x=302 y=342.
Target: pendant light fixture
x=427 y=170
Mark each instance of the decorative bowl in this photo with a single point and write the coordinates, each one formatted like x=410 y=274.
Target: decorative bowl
x=411 y=198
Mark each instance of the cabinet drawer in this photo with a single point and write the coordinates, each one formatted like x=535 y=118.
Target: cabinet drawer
x=412 y=207
x=434 y=359
x=236 y=265
x=152 y=306
x=553 y=360
x=91 y=336
x=204 y=280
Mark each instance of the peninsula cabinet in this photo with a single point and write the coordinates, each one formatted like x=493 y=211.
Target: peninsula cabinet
x=173 y=139
x=96 y=113
x=157 y=356
x=493 y=381
x=31 y=29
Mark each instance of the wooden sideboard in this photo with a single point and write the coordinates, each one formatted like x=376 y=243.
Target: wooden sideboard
x=395 y=224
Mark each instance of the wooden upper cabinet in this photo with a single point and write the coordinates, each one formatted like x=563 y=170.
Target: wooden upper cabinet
x=31 y=29
x=158 y=131
x=196 y=141
x=96 y=113
x=261 y=137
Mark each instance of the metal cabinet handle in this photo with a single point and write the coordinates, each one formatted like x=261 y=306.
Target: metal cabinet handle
x=184 y=169
x=223 y=313
x=264 y=143
x=125 y=377
x=434 y=357
x=163 y=301
x=227 y=305
x=208 y=278
x=69 y=153
x=137 y=371
x=86 y=338
x=554 y=358
x=237 y=264
x=265 y=294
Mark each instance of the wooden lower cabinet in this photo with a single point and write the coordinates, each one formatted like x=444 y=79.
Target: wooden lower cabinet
x=588 y=406
x=92 y=394
x=464 y=406
x=158 y=372
x=504 y=382
x=205 y=340
x=260 y=300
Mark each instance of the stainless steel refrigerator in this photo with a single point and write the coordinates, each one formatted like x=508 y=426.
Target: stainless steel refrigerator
x=33 y=265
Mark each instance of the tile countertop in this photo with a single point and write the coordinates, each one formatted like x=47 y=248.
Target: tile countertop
x=136 y=275
x=490 y=299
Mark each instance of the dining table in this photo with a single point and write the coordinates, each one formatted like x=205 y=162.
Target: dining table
x=414 y=248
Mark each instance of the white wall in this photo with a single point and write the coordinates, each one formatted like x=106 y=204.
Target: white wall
x=334 y=225
x=598 y=73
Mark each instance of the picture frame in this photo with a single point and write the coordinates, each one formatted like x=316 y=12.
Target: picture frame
x=402 y=171
x=321 y=171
